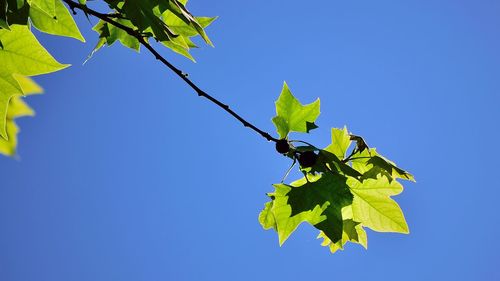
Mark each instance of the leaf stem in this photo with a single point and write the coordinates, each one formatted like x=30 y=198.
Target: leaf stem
x=135 y=33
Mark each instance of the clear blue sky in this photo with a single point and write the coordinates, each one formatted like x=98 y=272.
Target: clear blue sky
x=125 y=174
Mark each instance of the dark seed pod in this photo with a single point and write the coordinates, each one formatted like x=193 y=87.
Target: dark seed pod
x=282 y=146
x=307 y=159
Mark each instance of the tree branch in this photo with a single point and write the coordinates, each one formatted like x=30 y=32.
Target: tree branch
x=135 y=33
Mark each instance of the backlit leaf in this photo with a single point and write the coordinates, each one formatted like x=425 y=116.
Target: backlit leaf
x=352 y=232
x=22 y=54
x=292 y=116
x=17 y=108
x=371 y=164
x=373 y=206
x=63 y=25
x=109 y=34
x=46 y=6
x=318 y=201
x=340 y=142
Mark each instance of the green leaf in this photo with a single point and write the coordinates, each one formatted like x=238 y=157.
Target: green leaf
x=281 y=212
x=167 y=21
x=179 y=10
x=266 y=217
x=83 y=2
x=8 y=146
x=352 y=232
x=371 y=164
x=181 y=28
x=9 y=87
x=19 y=4
x=143 y=15
x=339 y=195
x=47 y=6
x=111 y=34
x=28 y=86
x=176 y=45
x=333 y=163
x=340 y=142
x=17 y=108
x=318 y=201
x=22 y=55
x=182 y=43
x=3 y=24
x=373 y=207
x=64 y=25
x=390 y=167
x=292 y=116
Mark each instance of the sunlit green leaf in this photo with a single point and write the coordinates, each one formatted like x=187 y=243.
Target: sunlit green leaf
x=179 y=45
x=266 y=217
x=167 y=21
x=8 y=146
x=63 y=25
x=17 y=108
x=292 y=116
x=182 y=43
x=179 y=10
x=46 y=6
x=329 y=162
x=371 y=164
x=352 y=232
x=111 y=34
x=282 y=213
x=142 y=14
x=340 y=142
x=181 y=28
x=318 y=201
x=373 y=207
x=22 y=54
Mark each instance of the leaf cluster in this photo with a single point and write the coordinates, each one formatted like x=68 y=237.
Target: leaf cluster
x=22 y=55
x=166 y=21
x=341 y=193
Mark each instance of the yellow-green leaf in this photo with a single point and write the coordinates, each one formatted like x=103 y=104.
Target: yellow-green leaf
x=370 y=163
x=47 y=6
x=17 y=108
x=351 y=232
x=292 y=116
x=62 y=25
x=8 y=146
x=340 y=142
x=373 y=207
x=22 y=54
x=318 y=201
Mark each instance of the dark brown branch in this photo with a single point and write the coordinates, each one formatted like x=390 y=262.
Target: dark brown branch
x=135 y=33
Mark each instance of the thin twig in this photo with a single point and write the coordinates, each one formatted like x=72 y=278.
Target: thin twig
x=182 y=75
